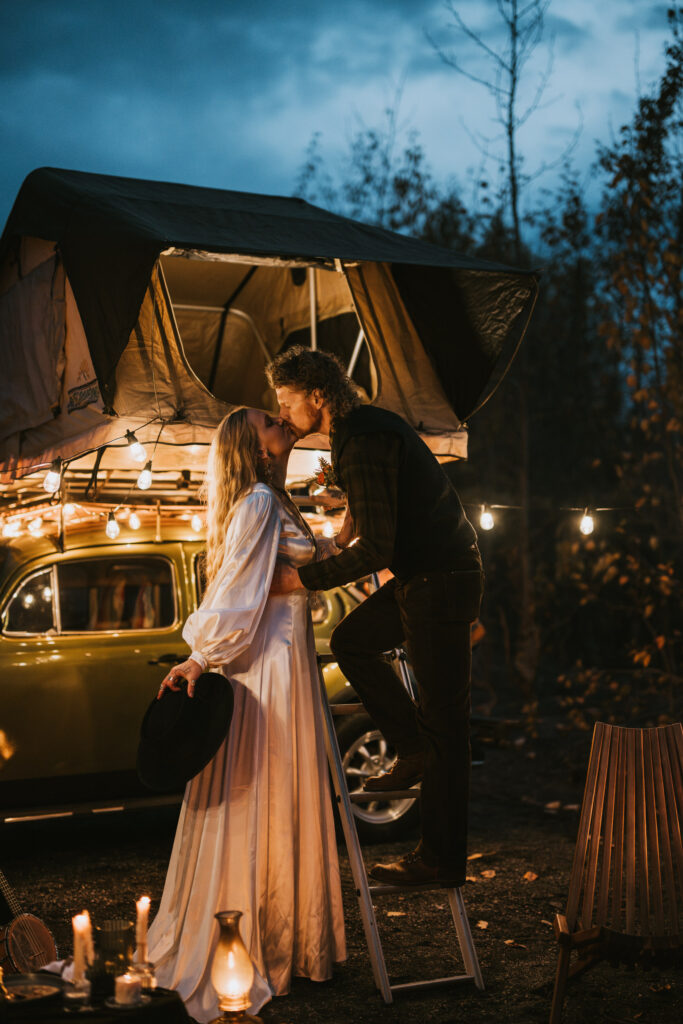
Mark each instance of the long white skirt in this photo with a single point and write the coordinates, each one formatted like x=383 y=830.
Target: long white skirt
x=256 y=831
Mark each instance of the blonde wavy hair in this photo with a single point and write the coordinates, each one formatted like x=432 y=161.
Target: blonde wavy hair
x=234 y=466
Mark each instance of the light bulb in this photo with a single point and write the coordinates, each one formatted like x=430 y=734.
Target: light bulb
x=135 y=449
x=196 y=523
x=134 y=521
x=145 y=478
x=587 y=524
x=53 y=477
x=112 y=528
x=35 y=527
x=486 y=520
x=11 y=529
x=69 y=509
x=328 y=529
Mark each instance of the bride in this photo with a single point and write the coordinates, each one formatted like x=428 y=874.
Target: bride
x=255 y=831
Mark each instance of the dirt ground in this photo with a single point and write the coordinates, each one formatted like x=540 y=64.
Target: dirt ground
x=524 y=819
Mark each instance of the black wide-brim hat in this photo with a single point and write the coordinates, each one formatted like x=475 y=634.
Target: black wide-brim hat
x=179 y=734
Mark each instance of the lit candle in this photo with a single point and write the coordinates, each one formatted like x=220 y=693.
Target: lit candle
x=127 y=989
x=142 y=907
x=81 y=925
x=88 y=942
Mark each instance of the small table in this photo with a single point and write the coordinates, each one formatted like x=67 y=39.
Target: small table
x=164 y=1007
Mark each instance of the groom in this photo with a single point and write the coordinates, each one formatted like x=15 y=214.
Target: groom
x=406 y=516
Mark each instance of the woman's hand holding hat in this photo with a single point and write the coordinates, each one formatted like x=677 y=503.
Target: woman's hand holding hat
x=188 y=670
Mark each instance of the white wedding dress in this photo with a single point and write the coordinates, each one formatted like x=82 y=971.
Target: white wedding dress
x=256 y=831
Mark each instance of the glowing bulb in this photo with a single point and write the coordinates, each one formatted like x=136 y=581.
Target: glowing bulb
x=112 y=528
x=47 y=593
x=328 y=529
x=196 y=523
x=136 y=450
x=486 y=520
x=134 y=521
x=587 y=524
x=145 y=478
x=29 y=599
x=69 y=509
x=195 y=449
x=53 y=477
x=11 y=530
x=35 y=527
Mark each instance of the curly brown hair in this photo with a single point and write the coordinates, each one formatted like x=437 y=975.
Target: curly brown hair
x=308 y=370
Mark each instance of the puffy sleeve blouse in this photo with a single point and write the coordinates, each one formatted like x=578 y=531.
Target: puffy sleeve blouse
x=225 y=623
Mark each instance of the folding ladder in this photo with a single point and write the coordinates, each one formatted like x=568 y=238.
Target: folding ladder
x=365 y=891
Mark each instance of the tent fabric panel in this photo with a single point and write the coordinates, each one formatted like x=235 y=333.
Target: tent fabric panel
x=32 y=322
x=491 y=312
x=109 y=276
x=407 y=383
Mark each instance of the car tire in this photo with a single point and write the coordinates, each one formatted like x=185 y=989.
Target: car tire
x=365 y=752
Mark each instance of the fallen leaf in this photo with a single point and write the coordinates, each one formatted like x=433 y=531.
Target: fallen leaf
x=571 y=807
x=549 y=923
x=553 y=806
x=482 y=924
x=487 y=853
x=396 y=913
x=529 y=876
x=488 y=873
x=470 y=878
x=515 y=945
x=475 y=856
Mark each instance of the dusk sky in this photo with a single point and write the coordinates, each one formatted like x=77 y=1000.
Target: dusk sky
x=228 y=94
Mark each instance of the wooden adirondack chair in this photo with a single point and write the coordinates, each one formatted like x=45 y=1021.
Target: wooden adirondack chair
x=626 y=887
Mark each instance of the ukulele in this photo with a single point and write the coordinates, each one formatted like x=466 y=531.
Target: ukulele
x=26 y=944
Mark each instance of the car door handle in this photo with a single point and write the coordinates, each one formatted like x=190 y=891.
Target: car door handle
x=167 y=659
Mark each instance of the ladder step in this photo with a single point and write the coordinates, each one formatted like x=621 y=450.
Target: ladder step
x=407 y=986
x=383 y=798
x=347 y=709
x=378 y=889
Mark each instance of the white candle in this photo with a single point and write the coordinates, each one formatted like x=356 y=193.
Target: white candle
x=80 y=924
x=88 y=942
x=142 y=907
x=127 y=988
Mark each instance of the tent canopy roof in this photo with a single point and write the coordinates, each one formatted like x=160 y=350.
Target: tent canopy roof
x=59 y=204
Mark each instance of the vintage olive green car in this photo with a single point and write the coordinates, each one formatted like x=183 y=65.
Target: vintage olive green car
x=87 y=633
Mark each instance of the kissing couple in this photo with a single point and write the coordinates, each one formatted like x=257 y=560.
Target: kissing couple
x=256 y=830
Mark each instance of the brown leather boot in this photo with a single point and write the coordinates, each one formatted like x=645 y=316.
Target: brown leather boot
x=405 y=772
x=413 y=870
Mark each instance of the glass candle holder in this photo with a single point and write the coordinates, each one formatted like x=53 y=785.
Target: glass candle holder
x=76 y=996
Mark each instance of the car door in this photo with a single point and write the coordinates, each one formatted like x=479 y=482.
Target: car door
x=111 y=632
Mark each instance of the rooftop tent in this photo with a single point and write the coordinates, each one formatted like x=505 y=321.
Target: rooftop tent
x=150 y=306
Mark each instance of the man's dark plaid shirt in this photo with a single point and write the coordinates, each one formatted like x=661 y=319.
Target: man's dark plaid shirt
x=368 y=472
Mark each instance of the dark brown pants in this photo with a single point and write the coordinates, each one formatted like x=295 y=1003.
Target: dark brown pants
x=430 y=616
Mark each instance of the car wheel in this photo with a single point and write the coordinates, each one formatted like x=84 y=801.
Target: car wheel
x=365 y=752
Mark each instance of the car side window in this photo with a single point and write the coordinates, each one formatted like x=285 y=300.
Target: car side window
x=105 y=594
x=200 y=575
x=31 y=608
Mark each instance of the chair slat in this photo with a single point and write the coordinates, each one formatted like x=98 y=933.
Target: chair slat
x=653 y=877
x=578 y=862
x=596 y=830
x=669 y=894
x=619 y=832
x=642 y=907
x=674 y=786
x=609 y=841
x=630 y=839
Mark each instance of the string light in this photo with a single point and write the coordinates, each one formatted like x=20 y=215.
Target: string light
x=69 y=509
x=53 y=477
x=196 y=523
x=11 y=529
x=328 y=529
x=112 y=528
x=587 y=523
x=137 y=451
x=145 y=478
x=486 y=520
x=134 y=521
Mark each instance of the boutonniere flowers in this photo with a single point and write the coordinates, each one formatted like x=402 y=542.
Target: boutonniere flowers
x=325 y=476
